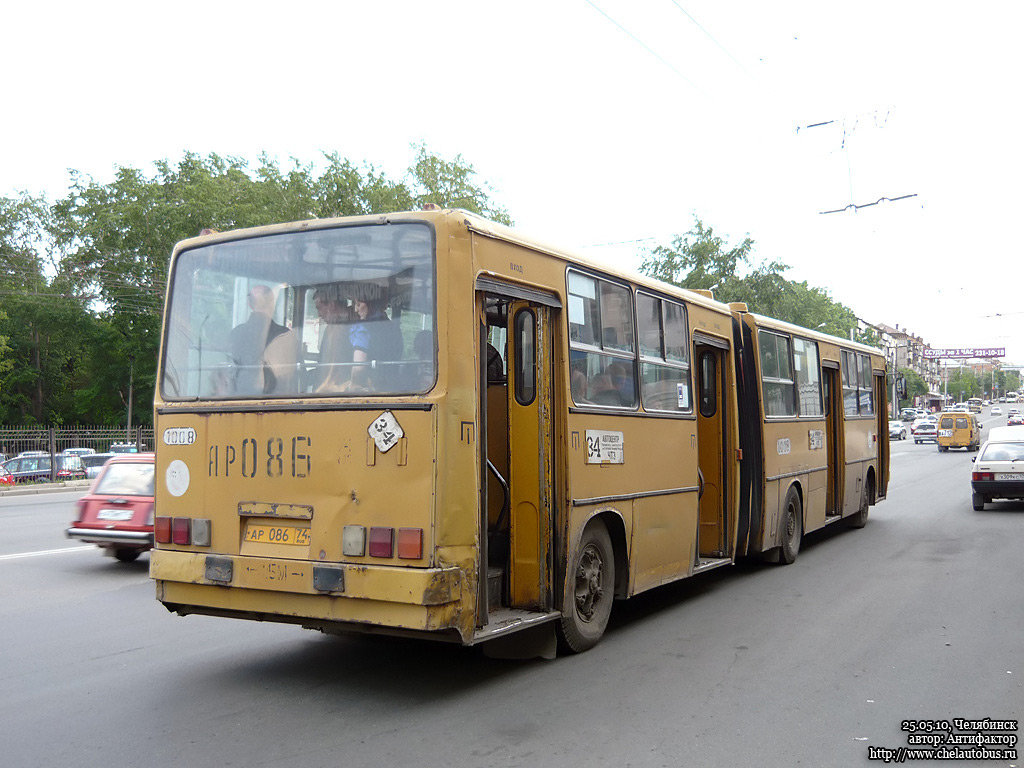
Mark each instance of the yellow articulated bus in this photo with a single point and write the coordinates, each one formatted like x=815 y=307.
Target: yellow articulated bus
x=427 y=424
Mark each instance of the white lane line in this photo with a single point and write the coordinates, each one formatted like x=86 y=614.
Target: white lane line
x=42 y=552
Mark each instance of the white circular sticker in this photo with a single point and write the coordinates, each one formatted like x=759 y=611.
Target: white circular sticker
x=177 y=478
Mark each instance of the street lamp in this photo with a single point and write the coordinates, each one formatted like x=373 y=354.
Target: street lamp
x=899 y=383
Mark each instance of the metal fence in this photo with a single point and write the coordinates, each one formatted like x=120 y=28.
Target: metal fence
x=54 y=440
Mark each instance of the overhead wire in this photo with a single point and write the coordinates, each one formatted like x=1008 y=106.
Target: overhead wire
x=647 y=48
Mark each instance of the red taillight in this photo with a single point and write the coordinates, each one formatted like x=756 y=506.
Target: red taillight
x=380 y=543
x=162 y=530
x=181 y=530
x=982 y=476
x=410 y=543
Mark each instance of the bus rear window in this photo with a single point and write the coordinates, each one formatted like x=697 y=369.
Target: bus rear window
x=320 y=312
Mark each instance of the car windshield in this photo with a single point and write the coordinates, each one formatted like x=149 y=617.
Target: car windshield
x=1003 y=452
x=126 y=479
x=329 y=312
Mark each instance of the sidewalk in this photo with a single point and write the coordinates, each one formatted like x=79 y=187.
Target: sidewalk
x=33 y=488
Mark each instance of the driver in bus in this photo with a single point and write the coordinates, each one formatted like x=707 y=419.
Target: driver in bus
x=265 y=353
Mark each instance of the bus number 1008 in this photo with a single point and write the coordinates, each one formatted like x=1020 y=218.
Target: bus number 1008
x=274 y=457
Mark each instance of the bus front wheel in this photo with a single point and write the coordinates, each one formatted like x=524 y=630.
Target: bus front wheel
x=589 y=590
x=792 y=527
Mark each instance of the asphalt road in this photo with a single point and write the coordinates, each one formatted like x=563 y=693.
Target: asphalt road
x=917 y=616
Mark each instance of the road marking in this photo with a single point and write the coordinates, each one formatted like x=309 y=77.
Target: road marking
x=45 y=552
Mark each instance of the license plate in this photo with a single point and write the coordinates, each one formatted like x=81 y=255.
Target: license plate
x=1009 y=475
x=945 y=433
x=277 y=534
x=114 y=514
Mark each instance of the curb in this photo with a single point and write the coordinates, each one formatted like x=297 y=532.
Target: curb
x=36 y=488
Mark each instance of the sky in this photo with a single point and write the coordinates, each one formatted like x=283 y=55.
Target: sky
x=603 y=126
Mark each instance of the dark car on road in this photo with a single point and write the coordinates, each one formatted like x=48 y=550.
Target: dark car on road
x=29 y=468
x=117 y=512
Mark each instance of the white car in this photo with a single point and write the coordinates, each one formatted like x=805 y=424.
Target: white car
x=997 y=411
x=998 y=471
x=930 y=419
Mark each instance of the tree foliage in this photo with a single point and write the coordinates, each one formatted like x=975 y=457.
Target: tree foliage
x=83 y=280
x=700 y=259
x=962 y=383
x=916 y=387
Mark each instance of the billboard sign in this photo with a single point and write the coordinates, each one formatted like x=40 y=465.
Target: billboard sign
x=965 y=352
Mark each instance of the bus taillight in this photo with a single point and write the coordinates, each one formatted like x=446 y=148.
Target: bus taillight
x=410 y=543
x=381 y=541
x=353 y=541
x=183 y=530
x=162 y=530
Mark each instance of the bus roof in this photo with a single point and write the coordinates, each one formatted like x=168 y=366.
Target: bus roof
x=471 y=221
x=488 y=228
x=782 y=325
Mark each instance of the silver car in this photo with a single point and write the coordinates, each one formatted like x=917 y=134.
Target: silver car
x=94 y=462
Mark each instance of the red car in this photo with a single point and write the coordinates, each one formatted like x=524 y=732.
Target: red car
x=6 y=478
x=117 y=513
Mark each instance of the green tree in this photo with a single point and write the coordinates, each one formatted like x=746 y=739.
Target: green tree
x=113 y=241
x=962 y=384
x=916 y=387
x=42 y=326
x=452 y=184
x=700 y=259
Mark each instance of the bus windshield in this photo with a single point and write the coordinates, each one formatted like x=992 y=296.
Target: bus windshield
x=328 y=312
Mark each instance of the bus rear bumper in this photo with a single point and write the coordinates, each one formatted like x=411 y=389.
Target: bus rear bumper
x=311 y=593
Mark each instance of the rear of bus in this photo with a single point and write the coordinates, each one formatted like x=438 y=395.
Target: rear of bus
x=298 y=412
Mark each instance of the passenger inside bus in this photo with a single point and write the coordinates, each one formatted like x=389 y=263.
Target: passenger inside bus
x=265 y=353
x=375 y=339
x=421 y=370
x=335 y=346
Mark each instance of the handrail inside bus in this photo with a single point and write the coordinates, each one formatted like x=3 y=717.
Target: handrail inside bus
x=506 y=496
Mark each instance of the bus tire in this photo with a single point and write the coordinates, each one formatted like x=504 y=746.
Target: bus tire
x=791 y=527
x=125 y=555
x=589 y=590
x=978 y=502
x=860 y=518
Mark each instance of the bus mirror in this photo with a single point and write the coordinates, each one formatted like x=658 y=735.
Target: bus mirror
x=901 y=387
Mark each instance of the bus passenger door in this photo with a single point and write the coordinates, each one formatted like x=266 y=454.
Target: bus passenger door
x=530 y=373
x=834 y=441
x=882 y=436
x=711 y=451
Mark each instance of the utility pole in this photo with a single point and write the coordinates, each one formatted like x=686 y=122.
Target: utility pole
x=131 y=389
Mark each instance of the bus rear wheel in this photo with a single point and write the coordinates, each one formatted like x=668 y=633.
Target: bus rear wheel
x=589 y=590
x=792 y=527
x=860 y=518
